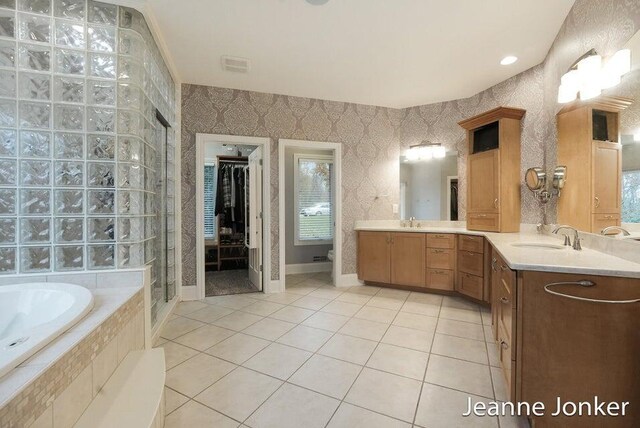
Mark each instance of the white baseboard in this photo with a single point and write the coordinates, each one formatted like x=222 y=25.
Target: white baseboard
x=189 y=293
x=308 y=268
x=349 y=280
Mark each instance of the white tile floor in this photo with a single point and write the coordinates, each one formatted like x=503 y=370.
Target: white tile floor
x=318 y=356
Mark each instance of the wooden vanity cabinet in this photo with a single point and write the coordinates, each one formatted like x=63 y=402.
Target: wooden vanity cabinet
x=391 y=258
x=374 y=256
x=589 y=146
x=408 y=259
x=503 y=314
x=441 y=261
x=472 y=267
x=576 y=349
x=493 y=172
x=430 y=261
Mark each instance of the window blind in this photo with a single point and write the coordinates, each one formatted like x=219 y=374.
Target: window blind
x=314 y=199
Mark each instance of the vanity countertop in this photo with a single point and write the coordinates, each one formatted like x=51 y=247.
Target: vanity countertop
x=563 y=260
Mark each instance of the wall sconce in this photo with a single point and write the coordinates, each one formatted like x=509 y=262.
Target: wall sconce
x=589 y=75
x=536 y=180
x=425 y=151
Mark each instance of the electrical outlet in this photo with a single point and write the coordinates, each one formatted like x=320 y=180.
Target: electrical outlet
x=395 y=208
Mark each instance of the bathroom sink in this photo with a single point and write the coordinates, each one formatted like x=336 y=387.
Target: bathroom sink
x=538 y=245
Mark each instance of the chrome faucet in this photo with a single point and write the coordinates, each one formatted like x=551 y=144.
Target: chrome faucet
x=567 y=241
x=411 y=220
x=606 y=230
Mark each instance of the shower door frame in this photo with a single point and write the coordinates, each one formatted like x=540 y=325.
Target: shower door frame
x=268 y=286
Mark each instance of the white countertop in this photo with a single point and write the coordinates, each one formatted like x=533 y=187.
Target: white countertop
x=565 y=260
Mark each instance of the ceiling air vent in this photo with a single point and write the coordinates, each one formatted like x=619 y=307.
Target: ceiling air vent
x=235 y=64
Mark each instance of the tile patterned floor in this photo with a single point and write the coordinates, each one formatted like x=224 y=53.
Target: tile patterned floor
x=320 y=356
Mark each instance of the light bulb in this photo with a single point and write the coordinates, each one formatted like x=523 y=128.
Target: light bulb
x=571 y=80
x=620 y=62
x=425 y=153
x=412 y=154
x=439 y=152
x=566 y=94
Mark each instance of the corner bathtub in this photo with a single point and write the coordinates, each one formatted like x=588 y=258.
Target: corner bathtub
x=32 y=315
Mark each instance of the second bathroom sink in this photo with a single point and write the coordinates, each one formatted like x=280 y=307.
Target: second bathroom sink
x=538 y=245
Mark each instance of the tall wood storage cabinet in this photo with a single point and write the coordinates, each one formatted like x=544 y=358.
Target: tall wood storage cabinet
x=589 y=146
x=493 y=170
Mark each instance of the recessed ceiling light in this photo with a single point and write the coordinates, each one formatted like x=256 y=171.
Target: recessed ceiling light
x=508 y=60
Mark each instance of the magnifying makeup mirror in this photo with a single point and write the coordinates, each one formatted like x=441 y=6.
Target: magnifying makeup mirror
x=536 y=179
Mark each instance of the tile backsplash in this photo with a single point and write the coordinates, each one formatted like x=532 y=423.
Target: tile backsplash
x=80 y=86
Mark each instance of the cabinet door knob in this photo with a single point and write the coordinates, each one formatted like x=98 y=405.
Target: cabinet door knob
x=597 y=199
x=504 y=344
x=495 y=202
x=504 y=300
x=493 y=264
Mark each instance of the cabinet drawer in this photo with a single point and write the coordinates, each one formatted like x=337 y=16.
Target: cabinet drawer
x=471 y=262
x=506 y=363
x=600 y=221
x=440 y=279
x=440 y=240
x=483 y=221
x=440 y=258
x=471 y=243
x=470 y=285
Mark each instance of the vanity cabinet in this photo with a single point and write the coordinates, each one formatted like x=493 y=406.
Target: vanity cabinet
x=589 y=146
x=493 y=170
x=441 y=261
x=408 y=259
x=575 y=349
x=426 y=261
x=391 y=258
x=503 y=313
x=374 y=257
x=471 y=267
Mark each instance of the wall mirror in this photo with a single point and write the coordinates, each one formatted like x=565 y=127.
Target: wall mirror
x=601 y=146
x=429 y=188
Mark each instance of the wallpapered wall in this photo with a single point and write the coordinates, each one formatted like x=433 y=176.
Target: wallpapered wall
x=373 y=137
x=370 y=137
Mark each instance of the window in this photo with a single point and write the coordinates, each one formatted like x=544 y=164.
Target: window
x=631 y=196
x=313 y=203
x=210 y=183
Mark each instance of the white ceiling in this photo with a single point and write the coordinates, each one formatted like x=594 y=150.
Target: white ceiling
x=393 y=53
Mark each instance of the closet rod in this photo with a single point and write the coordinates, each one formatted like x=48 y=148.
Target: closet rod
x=241 y=162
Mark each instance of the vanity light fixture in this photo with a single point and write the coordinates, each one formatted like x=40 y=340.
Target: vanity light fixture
x=425 y=151
x=589 y=75
x=508 y=60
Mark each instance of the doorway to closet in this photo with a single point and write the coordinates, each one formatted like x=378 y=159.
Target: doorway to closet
x=231 y=217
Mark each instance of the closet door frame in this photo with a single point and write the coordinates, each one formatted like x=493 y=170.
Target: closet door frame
x=197 y=291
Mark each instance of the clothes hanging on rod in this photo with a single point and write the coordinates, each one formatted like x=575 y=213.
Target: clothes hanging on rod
x=230 y=194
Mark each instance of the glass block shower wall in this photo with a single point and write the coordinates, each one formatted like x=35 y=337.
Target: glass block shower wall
x=81 y=168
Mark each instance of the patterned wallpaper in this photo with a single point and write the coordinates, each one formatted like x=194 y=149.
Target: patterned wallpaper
x=370 y=137
x=373 y=137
